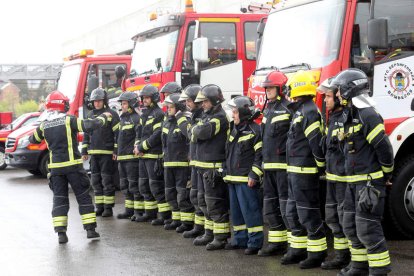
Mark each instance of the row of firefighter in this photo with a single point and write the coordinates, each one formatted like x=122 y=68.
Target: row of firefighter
x=189 y=170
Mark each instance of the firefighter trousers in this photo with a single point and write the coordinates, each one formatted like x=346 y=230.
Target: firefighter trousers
x=178 y=195
x=275 y=190
x=363 y=228
x=334 y=212
x=128 y=180
x=151 y=186
x=79 y=182
x=304 y=216
x=246 y=215
x=199 y=215
x=213 y=201
x=102 y=172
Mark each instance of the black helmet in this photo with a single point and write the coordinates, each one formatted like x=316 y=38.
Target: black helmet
x=131 y=97
x=190 y=92
x=119 y=71
x=171 y=87
x=99 y=94
x=150 y=90
x=351 y=83
x=244 y=105
x=175 y=100
x=210 y=92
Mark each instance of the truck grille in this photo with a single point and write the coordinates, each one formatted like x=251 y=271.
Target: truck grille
x=10 y=142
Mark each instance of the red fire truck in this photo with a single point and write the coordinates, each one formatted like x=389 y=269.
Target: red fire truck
x=376 y=36
x=80 y=74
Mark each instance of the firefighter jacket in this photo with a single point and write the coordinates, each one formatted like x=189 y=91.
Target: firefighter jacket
x=275 y=126
x=367 y=147
x=335 y=159
x=303 y=149
x=210 y=134
x=175 y=142
x=102 y=140
x=129 y=126
x=195 y=118
x=60 y=131
x=244 y=153
x=149 y=136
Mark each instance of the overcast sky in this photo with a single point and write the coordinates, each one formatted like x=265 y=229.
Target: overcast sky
x=33 y=31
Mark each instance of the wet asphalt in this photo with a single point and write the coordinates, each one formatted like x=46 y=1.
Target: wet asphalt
x=28 y=245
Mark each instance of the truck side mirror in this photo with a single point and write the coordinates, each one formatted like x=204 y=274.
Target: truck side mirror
x=93 y=83
x=158 y=64
x=200 y=49
x=412 y=105
x=378 y=33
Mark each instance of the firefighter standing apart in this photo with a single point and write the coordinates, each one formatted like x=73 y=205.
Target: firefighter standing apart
x=60 y=131
x=305 y=161
x=369 y=165
x=210 y=134
x=101 y=144
x=275 y=125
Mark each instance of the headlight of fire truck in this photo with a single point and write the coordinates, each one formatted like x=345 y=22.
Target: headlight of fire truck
x=23 y=142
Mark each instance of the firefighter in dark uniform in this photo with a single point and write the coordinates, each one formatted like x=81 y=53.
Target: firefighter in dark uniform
x=115 y=89
x=335 y=176
x=128 y=162
x=369 y=165
x=60 y=131
x=189 y=95
x=243 y=174
x=149 y=148
x=176 y=171
x=101 y=144
x=275 y=126
x=210 y=134
x=305 y=161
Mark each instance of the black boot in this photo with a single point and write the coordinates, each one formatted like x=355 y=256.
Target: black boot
x=216 y=244
x=355 y=269
x=92 y=234
x=63 y=238
x=294 y=256
x=173 y=225
x=99 y=210
x=183 y=227
x=136 y=215
x=127 y=214
x=274 y=248
x=144 y=218
x=313 y=260
x=341 y=260
x=107 y=212
x=157 y=222
x=231 y=246
x=251 y=251
x=198 y=230
x=204 y=239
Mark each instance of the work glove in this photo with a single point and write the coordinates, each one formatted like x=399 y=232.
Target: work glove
x=368 y=198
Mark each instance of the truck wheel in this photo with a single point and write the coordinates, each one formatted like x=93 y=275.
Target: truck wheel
x=3 y=164
x=35 y=172
x=43 y=166
x=400 y=201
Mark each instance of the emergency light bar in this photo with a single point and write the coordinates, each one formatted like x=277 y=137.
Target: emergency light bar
x=83 y=53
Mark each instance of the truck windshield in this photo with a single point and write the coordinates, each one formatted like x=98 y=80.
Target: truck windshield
x=149 y=48
x=308 y=33
x=68 y=81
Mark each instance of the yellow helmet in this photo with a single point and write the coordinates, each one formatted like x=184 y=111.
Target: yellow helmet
x=302 y=84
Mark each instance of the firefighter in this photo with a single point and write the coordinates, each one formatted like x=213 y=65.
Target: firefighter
x=305 y=160
x=368 y=165
x=335 y=176
x=101 y=144
x=189 y=95
x=176 y=171
x=149 y=148
x=128 y=163
x=275 y=125
x=243 y=174
x=60 y=131
x=210 y=134
x=171 y=88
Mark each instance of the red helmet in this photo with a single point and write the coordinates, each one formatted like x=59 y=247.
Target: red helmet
x=57 y=101
x=275 y=79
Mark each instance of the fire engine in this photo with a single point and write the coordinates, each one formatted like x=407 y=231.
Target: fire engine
x=376 y=36
x=81 y=73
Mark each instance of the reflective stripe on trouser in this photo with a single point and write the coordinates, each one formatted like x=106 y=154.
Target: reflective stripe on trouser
x=303 y=212
x=335 y=194
x=275 y=195
x=277 y=236
x=363 y=228
x=246 y=216
x=80 y=185
x=102 y=172
x=123 y=168
x=176 y=192
x=144 y=189
x=213 y=201
x=199 y=215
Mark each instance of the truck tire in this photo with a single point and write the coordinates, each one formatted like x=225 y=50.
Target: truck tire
x=43 y=166
x=3 y=164
x=400 y=201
